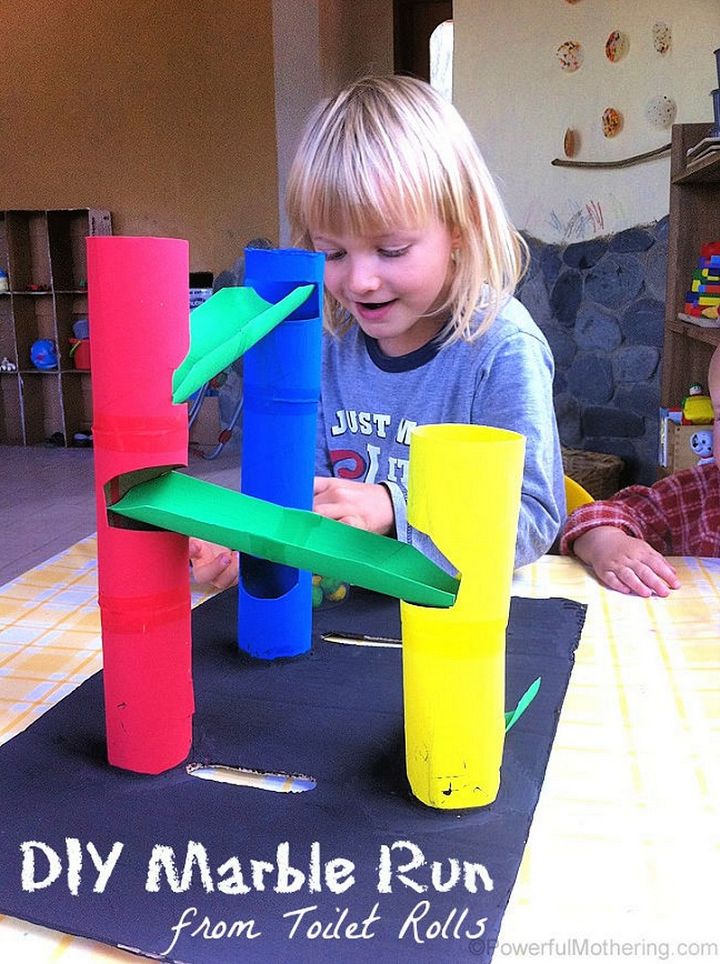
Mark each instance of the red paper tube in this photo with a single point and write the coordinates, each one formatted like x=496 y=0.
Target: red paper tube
x=138 y=308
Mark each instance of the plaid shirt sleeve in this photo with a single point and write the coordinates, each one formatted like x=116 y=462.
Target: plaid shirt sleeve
x=668 y=515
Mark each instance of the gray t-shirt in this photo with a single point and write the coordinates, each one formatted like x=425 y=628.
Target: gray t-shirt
x=370 y=401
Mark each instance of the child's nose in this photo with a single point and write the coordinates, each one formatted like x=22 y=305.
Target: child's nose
x=363 y=276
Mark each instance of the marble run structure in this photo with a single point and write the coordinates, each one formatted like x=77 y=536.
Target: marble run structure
x=464 y=493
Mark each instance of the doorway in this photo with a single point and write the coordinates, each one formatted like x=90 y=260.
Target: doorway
x=413 y=24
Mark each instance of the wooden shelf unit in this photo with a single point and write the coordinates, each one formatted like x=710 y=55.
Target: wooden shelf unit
x=694 y=221
x=43 y=253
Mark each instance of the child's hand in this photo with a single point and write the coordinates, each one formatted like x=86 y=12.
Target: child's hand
x=624 y=563
x=359 y=504
x=213 y=565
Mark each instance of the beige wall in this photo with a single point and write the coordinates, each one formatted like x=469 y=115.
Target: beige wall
x=356 y=39
x=319 y=46
x=518 y=102
x=161 y=111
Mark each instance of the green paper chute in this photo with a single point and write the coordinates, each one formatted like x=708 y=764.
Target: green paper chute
x=291 y=537
x=512 y=716
x=223 y=328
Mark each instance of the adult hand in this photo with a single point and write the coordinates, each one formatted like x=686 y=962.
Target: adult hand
x=360 y=504
x=625 y=563
x=213 y=565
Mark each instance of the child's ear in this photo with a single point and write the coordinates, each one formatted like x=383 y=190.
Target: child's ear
x=455 y=242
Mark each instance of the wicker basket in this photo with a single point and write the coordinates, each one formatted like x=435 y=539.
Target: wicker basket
x=597 y=472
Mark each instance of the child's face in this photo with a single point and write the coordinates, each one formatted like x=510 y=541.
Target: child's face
x=392 y=282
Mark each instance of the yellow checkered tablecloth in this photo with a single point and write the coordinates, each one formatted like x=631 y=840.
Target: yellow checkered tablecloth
x=624 y=851
x=50 y=634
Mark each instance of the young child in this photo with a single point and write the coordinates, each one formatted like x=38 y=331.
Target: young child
x=421 y=263
x=624 y=538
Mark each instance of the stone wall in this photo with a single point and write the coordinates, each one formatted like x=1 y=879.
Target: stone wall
x=601 y=305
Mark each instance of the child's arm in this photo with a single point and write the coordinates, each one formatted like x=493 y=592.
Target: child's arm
x=515 y=392
x=625 y=563
x=361 y=504
x=623 y=539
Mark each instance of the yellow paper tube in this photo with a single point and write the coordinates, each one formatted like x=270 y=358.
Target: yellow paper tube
x=464 y=492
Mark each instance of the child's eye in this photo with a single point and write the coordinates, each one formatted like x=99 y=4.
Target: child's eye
x=394 y=252
x=334 y=255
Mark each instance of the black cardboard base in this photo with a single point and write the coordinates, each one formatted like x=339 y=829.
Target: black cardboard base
x=334 y=715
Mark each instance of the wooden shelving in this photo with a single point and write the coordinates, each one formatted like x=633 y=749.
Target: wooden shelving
x=694 y=221
x=43 y=253
x=710 y=336
x=704 y=169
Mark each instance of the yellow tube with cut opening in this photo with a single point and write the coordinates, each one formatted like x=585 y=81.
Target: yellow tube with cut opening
x=464 y=492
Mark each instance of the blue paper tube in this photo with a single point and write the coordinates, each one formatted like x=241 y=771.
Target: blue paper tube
x=281 y=387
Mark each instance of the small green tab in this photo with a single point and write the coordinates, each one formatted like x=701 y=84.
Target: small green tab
x=292 y=537
x=526 y=699
x=223 y=328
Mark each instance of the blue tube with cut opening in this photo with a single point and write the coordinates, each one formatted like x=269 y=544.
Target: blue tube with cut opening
x=281 y=388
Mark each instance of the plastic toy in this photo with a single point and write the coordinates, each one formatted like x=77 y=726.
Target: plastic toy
x=43 y=354
x=697 y=407
x=702 y=445
x=81 y=328
x=80 y=353
x=328 y=590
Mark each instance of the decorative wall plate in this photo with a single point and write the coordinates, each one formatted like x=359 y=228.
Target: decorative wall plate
x=662 y=36
x=570 y=54
x=660 y=111
x=612 y=122
x=616 y=46
x=570 y=142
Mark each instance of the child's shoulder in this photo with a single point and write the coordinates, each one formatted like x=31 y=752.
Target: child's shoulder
x=513 y=322
x=513 y=318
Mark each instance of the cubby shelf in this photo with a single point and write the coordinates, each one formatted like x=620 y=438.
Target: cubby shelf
x=694 y=220
x=43 y=253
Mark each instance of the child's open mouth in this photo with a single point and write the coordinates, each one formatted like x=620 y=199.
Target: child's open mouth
x=373 y=310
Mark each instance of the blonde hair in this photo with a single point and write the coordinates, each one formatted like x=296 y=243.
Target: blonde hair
x=390 y=152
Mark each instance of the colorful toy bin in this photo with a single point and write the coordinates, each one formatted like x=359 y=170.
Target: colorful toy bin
x=80 y=353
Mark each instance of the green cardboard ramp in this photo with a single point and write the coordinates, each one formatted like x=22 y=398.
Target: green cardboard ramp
x=292 y=537
x=223 y=328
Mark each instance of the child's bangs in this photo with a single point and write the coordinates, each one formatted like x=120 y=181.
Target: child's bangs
x=363 y=199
